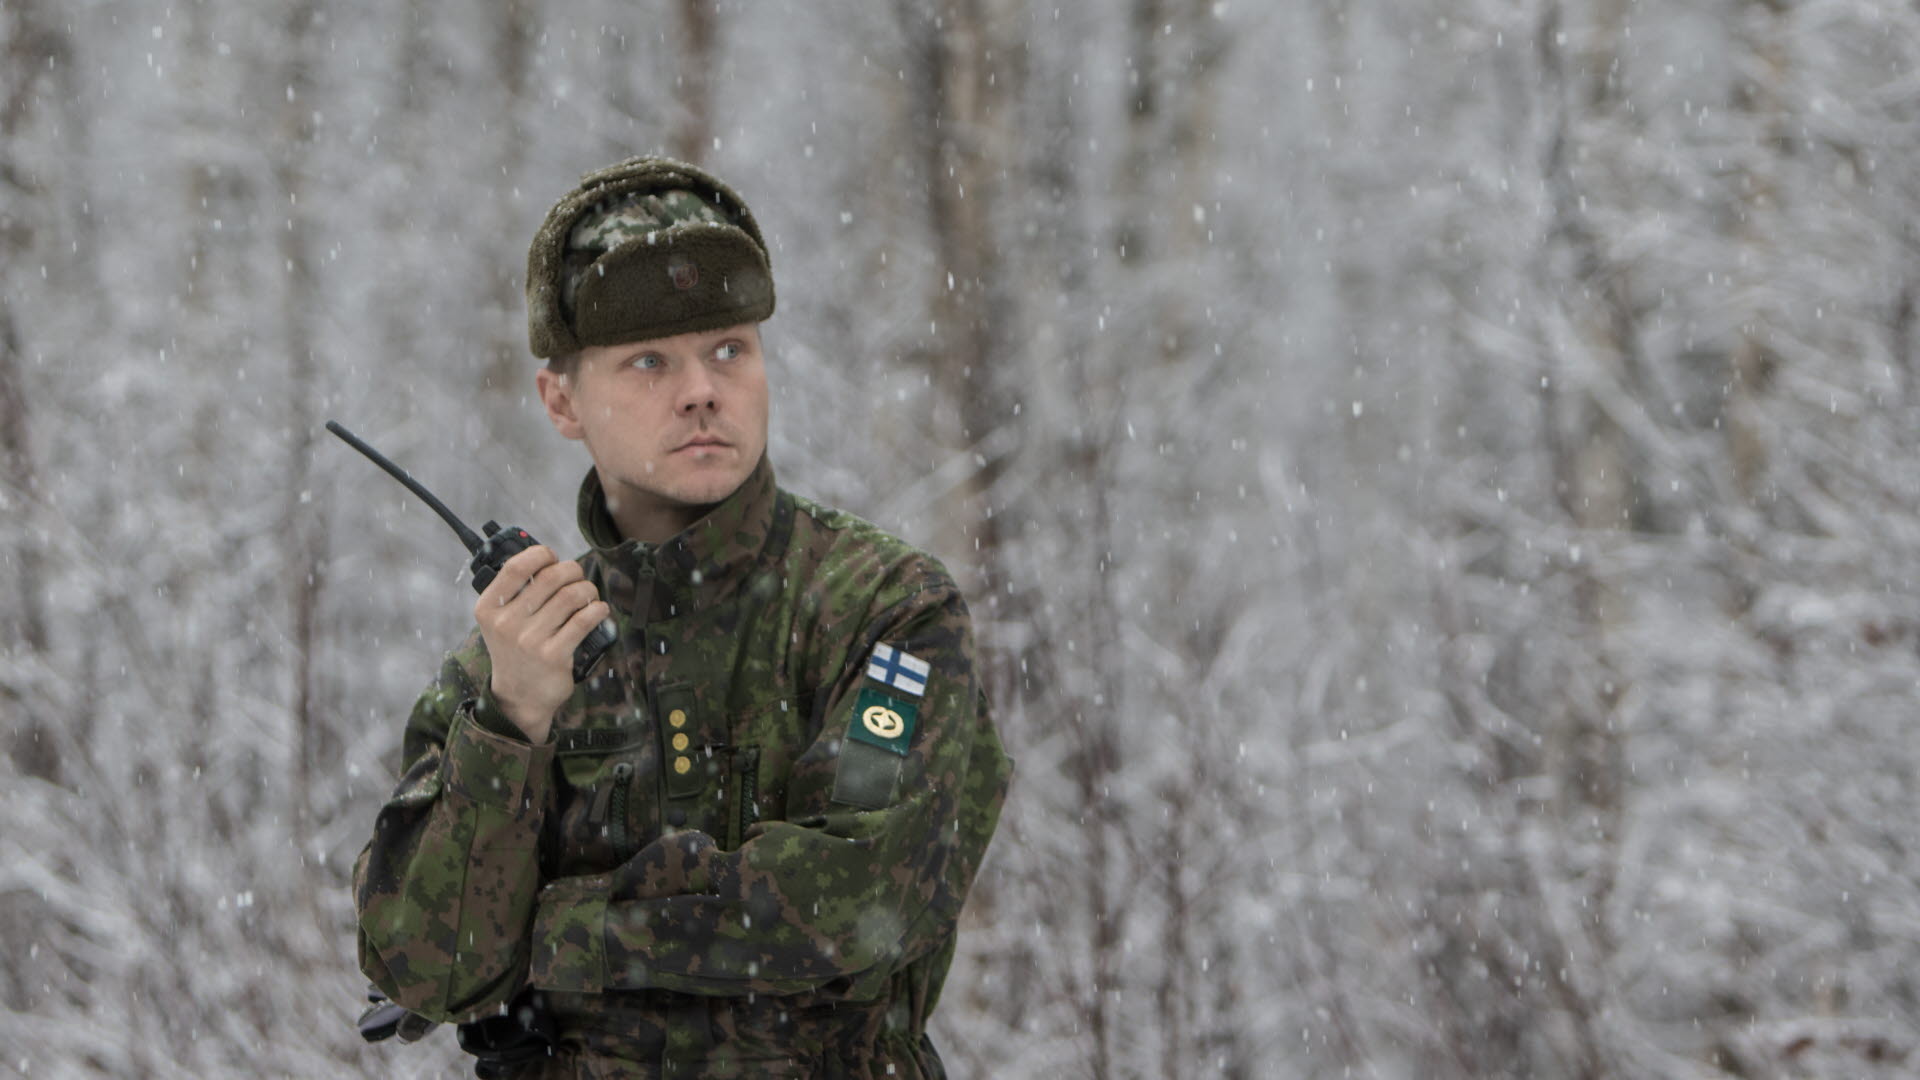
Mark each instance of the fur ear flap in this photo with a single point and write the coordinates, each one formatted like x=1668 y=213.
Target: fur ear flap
x=687 y=278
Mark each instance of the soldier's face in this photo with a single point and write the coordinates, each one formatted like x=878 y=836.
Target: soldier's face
x=673 y=424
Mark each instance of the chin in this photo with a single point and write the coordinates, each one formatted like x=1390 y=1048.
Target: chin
x=708 y=490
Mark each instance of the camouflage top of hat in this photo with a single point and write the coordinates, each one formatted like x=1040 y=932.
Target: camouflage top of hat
x=645 y=249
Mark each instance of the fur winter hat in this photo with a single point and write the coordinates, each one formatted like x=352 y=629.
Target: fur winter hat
x=648 y=248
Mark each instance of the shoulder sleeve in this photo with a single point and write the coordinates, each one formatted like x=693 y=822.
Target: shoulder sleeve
x=444 y=890
x=890 y=810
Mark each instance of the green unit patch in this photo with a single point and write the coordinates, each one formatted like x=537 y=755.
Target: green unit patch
x=882 y=720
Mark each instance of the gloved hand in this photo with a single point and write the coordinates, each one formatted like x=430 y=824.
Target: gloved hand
x=522 y=1034
x=385 y=1019
x=673 y=866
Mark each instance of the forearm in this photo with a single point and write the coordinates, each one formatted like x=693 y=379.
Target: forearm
x=445 y=889
x=794 y=909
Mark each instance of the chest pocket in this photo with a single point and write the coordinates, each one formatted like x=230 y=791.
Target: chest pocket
x=766 y=741
x=602 y=814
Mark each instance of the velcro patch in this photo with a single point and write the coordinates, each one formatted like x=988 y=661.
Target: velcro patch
x=882 y=720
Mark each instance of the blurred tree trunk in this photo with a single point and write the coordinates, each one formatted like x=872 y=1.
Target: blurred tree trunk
x=1164 y=187
x=1594 y=469
x=1132 y=185
x=699 y=52
x=1177 y=50
x=213 y=192
x=962 y=83
x=511 y=372
x=403 y=114
x=32 y=49
x=966 y=69
x=1751 y=363
x=302 y=530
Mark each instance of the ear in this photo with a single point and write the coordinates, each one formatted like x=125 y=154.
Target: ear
x=557 y=394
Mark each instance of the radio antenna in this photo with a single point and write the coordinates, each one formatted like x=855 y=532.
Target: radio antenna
x=467 y=536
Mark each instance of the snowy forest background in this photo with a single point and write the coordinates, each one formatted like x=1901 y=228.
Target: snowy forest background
x=1437 y=481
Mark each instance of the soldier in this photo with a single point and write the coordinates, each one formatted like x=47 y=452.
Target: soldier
x=738 y=847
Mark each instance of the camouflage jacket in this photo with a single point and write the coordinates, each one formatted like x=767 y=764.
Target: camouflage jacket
x=744 y=848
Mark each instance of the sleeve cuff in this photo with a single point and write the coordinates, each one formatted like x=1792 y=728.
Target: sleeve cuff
x=493 y=769
x=489 y=716
x=569 y=936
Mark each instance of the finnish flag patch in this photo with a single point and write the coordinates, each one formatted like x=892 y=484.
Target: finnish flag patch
x=902 y=671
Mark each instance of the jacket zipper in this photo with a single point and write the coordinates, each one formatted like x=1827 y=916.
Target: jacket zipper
x=609 y=810
x=746 y=765
x=617 y=827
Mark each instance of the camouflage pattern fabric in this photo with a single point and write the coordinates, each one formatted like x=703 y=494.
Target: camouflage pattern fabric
x=703 y=874
x=633 y=216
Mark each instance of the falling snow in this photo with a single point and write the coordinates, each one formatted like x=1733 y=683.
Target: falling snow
x=1434 y=480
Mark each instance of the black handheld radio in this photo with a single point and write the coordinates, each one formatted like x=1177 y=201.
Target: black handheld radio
x=489 y=553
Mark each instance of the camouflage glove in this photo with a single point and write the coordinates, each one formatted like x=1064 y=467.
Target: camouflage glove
x=675 y=866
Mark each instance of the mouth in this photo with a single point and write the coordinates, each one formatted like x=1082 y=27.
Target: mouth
x=702 y=442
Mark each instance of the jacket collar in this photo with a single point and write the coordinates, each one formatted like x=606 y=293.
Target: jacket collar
x=699 y=566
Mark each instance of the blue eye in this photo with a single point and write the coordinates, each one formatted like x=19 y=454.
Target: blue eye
x=648 y=361
x=729 y=351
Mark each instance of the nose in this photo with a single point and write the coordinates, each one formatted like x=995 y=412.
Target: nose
x=697 y=391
